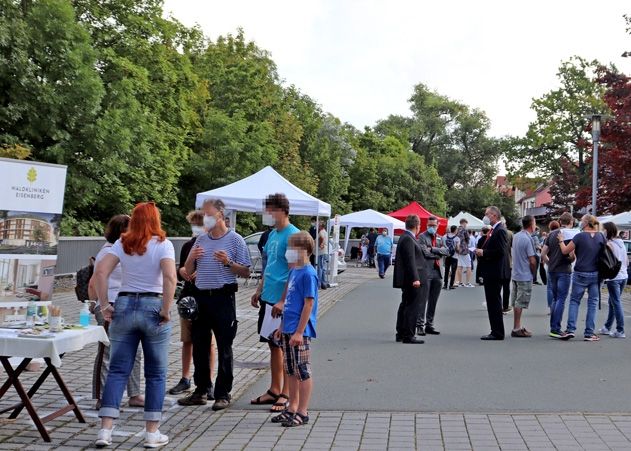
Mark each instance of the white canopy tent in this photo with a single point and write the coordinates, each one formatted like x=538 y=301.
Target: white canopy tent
x=249 y=194
x=473 y=223
x=369 y=218
x=622 y=220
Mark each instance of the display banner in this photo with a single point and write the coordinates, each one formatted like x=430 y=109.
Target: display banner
x=31 y=203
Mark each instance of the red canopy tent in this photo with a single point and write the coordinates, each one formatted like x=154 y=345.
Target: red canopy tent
x=414 y=208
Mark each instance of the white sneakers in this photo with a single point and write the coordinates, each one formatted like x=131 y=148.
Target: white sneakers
x=104 y=438
x=152 y=439
x=612 y=333
x=155 y=439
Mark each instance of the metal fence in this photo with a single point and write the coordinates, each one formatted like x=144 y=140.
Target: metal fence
x=73 y=253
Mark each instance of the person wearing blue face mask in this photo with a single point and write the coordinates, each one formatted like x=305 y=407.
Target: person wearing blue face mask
x=433 y=251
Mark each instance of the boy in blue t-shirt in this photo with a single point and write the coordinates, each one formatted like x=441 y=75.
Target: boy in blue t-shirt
x=300 y=310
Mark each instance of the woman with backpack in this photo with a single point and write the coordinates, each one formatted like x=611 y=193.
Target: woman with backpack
x=616 y=285
x=587 y=246
x=113 y=230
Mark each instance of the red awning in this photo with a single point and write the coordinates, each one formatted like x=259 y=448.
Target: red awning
x=414 y=208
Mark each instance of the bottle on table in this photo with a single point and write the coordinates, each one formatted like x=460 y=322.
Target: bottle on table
x=31 y=311
x=84 y=315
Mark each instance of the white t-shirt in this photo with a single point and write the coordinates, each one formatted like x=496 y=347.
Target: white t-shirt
x=323 y=238
x=116 y=277
x=142 y=273
x=620 y=251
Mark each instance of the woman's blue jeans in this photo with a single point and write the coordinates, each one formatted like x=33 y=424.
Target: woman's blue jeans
x=582 y=281
x=136 y=320
x=615 y=288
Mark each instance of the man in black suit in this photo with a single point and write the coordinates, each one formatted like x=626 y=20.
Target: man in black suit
x=493 y=258
x=410 y=274
x=433 y=252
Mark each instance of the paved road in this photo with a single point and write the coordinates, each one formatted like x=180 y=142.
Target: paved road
x=358 y=366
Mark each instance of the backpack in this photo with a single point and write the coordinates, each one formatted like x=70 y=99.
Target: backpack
x=449 y=242
x=83 y=281
x=463 y=235
x=608 y=264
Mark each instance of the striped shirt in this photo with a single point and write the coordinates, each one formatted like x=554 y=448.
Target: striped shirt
x=211 y=273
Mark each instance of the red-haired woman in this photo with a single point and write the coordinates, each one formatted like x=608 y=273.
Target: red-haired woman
x=141 y=315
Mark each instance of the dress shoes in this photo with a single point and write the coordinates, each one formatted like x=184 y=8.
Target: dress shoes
x=420 y=331
x=431 y=331
x=413 y=340
x=398 y=339
x=491 y=337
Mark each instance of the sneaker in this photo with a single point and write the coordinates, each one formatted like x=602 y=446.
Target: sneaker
x=104 y=438
x=155 y=439
x=181 y=387
x=592 y=337
x=469 y=285
x=568 y=335
x=521 y=333
x=604 y=331
x=616 y=334
x=194 y=399
x=556 y=334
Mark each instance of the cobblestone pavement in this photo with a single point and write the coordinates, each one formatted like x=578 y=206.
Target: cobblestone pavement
x=199 y=428
x=422 y=431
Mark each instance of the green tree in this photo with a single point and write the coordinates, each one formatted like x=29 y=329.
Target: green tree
x=559 y=132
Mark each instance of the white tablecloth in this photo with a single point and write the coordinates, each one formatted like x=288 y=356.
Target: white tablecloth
x=67 y=341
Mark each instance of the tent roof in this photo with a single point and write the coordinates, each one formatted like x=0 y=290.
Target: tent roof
x=371 y=218
x=473 y=222
x=249 y=194
x=414 y=208
x=622 y=220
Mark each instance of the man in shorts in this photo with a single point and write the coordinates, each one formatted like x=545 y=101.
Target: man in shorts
x=524 y=267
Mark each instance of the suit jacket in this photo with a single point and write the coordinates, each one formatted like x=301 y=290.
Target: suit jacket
x=410 y=263
x=432 y=253
x=495 y=260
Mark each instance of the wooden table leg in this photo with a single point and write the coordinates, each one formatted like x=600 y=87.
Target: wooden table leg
x=65 y=391
x=15 y=381
x=38 y=383
x=9 y=381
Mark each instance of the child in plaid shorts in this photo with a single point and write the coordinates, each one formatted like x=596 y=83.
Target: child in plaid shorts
x=300 y=309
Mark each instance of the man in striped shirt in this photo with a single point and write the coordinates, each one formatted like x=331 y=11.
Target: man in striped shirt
x=218 y=256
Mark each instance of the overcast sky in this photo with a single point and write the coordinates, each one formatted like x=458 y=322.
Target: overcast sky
x=361 y=59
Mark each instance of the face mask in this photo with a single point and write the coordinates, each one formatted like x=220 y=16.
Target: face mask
x=384 y=233
x=486 y=220
x=431 y=230
x=268 y=219
x=210 y=222
x=197 y=230
x=291 y=255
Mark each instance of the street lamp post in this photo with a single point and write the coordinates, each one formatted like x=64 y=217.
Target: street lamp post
x=596 y=118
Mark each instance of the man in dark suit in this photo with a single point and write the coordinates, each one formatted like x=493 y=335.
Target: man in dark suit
x=493 y=258
x=433 y=252
x=410 y=275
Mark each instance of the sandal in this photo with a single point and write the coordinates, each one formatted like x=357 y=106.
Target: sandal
x=279 y=406
x=285 y=416
x=296 y=420
x=260 y=402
